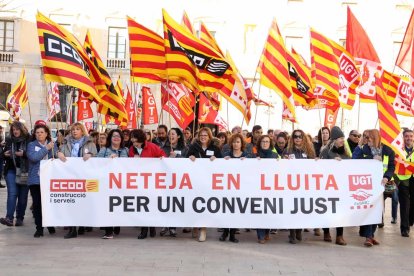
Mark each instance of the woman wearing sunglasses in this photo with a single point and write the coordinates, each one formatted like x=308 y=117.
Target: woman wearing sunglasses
x=299 y=147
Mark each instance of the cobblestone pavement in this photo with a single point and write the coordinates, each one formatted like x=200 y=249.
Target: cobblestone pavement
x=21 y=254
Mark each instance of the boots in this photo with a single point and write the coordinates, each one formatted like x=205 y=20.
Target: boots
x=143 y=234
x=72 y=233
x=232 y=236
x=298 y=233
x=38 y=233
x=223 y=236
x=327 y=237
x=81 y=230
x=195 y=233
x=203 y=234
x=292 y=235
x=340 y=240
x=152 y=232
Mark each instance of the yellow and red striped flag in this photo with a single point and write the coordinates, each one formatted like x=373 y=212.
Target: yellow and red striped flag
x=185 y=21
x=112 y=103
x=147 y=54
x=273 y=67
x=334 y=70
x=18 y=97
x=193 y=62
x=63 y=58
x=301 y=81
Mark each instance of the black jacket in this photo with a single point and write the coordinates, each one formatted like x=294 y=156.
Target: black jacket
x=196 y=150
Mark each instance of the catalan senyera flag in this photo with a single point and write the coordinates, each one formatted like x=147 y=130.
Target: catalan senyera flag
x=63 y=58
x=112 y=103
x=390 y=130
x=18 y=97
x=193 y=62
x=334 y=70
x=274 y=69
x=207 y=37
x=405 y=59
x=185 y=21
x=147 y=54
x=301 y=80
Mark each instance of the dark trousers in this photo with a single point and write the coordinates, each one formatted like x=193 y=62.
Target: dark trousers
x=231 y=231
x=111 y=230
x=37 y=205
x=368 y=231
x=406 y=198
x=339 y=231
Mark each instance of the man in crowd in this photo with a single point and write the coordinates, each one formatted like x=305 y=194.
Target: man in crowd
x=161 y=138
x=406 y=187
x=353 y=139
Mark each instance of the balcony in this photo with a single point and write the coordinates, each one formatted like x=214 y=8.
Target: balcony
x=116 y=63
x=6 y=57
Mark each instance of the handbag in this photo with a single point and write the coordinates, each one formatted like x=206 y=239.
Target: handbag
x=21 y=177
x=390 y=187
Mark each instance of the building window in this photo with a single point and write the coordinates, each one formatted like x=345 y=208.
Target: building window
x=6 y=35
x=117 y=42
x=5 y=89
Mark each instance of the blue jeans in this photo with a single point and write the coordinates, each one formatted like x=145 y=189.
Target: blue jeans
x=261 y=233
x=16 y=196
x=369 y=230
x=394 y=205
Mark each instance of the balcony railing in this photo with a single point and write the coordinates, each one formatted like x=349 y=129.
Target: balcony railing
x=6 y=57
x=116 y=63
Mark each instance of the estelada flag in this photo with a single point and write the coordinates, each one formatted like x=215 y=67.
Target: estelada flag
x=84 y=107
x=192 y=62
x=64 y=60
x=274 y=69
x=149 y=107
x=179 y=102
x=131 y=110
x=405 y=59
x=18 y=97
x=147 y=54
x=208 y=115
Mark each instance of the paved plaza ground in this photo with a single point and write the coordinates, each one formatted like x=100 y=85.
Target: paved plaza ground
x=21 y=254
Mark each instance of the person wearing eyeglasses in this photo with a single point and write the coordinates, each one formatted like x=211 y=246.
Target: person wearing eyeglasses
x=113 y=149
x=375 y=149
x=203 y=147
x=141 y=148
x=265 y=149
x=353 y=140
x=299 y=147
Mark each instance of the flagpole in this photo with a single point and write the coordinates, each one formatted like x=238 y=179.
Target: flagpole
x=257 y=107
x=342 y=118
x=227 y=111
x=359 y=110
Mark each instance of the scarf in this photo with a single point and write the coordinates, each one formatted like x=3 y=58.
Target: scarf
x=76 y=145
x=265 y=153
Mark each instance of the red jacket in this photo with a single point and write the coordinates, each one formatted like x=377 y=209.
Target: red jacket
x=149 y=150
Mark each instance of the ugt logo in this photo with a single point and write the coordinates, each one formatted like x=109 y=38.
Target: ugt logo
x=359 y=185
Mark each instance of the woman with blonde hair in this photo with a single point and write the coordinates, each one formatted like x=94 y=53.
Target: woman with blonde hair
x=203 y=147
x=77 y=144
x=374 y=149
x=299 y=147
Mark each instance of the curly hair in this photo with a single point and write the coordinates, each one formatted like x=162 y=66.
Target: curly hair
x=307 y=145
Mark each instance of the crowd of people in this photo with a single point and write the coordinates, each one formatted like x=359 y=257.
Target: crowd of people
x=21 y=153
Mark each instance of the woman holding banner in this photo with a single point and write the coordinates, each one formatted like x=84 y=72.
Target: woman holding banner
x=42 y=148
x=113 y=149
x=16 y=166
x=335 y=149
x=141 y=148
x=77 y=144
x=299 y=147
x=265 y=150
x=203 y=147
x=174 y=148
x=374 y=149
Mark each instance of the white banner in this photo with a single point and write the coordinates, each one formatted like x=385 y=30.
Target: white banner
x=248 y=193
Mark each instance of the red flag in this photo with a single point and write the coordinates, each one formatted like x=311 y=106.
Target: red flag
x=149 y=108
x=357 y=40
x=130 y=108
x=179 y=101
x=208 y=115
x=84 y=107
x=330 y=117
x=53 y=101
x=406 y=54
